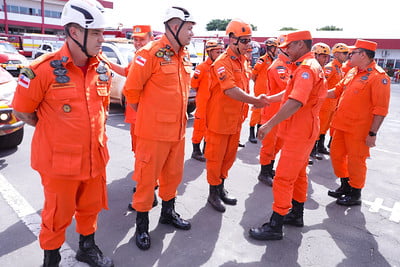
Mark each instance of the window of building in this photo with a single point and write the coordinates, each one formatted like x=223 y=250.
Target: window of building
x=12 y=9
x=23 y=10
x=397 y=64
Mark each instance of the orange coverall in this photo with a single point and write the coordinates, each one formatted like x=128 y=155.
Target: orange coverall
x=278 y=76
x=201 y=81
x=298 y=132
x=260 y=85
x=333 y=74
x=224 y=115
x=69 y=147
x=363 y=94
x=158 y=82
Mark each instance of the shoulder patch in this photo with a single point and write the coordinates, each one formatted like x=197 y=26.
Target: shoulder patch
x=24 y=81
x=305 y=75
x=28 y=73
x=140 y=60
x=384 y=81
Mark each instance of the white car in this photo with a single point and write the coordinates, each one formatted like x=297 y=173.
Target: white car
x=45 y=48
x=120 y=54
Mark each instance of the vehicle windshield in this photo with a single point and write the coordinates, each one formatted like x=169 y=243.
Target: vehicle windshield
x=127 y=51
x=7 y=48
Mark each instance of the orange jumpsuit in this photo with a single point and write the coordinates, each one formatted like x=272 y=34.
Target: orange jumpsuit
x=201 y=81
x=260 y=85
x=69 y=147
x=333 y=74
x=298 y=132
x=158 y=82
x=224 y=115
x=363 y=94
x=278 y=76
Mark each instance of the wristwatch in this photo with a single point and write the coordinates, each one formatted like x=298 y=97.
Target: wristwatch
x=371 y=133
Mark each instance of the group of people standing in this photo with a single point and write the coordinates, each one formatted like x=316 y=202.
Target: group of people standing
x=65 y=96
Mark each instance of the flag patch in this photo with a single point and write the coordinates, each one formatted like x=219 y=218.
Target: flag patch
x=221 y=70
x=140 y=60
x=24 y=81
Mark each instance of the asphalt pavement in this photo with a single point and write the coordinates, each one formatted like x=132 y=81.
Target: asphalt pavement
x=366 y=235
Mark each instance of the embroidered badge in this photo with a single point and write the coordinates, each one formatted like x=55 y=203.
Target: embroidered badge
x=384 y=81
x=24 y=81
x=305 y=75
x=221 y=72
x=140 y=60
x=28 y=73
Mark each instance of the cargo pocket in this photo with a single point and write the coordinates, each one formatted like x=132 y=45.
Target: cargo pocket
x=142 y=161
x=67 y=159
x=49 y=210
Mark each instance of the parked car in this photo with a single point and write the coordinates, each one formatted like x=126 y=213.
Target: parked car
x=45 y=48
x=11 y=129
x=120 y=54
x=10 y=59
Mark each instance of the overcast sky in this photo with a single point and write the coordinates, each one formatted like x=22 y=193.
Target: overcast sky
x=361 y=18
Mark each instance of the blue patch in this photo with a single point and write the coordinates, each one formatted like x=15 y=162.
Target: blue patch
x=385 y=81
x=305 y=75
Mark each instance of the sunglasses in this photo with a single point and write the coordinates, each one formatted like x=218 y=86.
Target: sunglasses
x=355 y=52
x=244 y=40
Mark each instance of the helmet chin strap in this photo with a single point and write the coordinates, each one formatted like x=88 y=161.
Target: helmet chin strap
x=82 y=47
x=177 y=32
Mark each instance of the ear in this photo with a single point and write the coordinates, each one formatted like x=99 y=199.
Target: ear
x=73 y=31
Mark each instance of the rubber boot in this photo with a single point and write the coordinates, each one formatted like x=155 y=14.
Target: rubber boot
x=266 y=174
x=170 y=216
x=155 y=200
x=258 y=127
x=330 y=142
x=271 y=230
x=196 y=154
x=351 y=198
x=314 y=153
x=204 y=147
x=252 y=136
x=321 y=145
x=142 y=236
x=295 y=216
x=90 y=253
x=224 y=195
x=52 y=258
x=214 y=199
x=343 y=188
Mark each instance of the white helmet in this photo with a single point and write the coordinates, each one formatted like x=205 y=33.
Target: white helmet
x=89 y=14
x=180 y=13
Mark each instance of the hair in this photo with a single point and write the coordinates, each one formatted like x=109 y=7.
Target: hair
x=70 y=25
x=370 y=54
x=174 y=21
x=308 y=44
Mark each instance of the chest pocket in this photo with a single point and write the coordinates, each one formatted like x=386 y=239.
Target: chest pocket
x=63 y=91
x=102 y=88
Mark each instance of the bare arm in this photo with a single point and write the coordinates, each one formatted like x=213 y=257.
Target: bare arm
x=134 y=106
x=376 y=124
x=288 y=109
x=118 y=69
x=238 y=94
x=28 y=118
x=277 y=97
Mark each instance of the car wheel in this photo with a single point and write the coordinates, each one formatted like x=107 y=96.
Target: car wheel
x=123 y=102
x=12 y=140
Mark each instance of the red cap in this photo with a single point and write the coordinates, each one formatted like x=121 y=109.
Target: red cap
x=365 y=44
x=141 y=30
x=295 y=36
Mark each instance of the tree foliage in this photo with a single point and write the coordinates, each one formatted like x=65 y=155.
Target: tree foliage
x=330 y=28
x=288 y=29
x=220 y=25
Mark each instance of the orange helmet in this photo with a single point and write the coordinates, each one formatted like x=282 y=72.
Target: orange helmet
x=271 y=42
x=340 y=47
x=214 y=44
x=238 y=28
x=321 y=48
x=281 y=39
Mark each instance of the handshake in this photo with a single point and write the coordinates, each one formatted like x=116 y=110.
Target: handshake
x=261 y=101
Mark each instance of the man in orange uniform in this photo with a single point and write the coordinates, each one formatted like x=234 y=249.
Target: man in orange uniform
x=333 y=74
x=322 y=54
x=157 y=87
x=259 y=76
x=363 y=104
x=278 y=75
x=65 y=96
x=298 y=128
x=201 y=83
x=226 y=110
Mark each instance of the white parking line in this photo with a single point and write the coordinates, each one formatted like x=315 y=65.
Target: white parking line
x=31 y=219
x=377 y=205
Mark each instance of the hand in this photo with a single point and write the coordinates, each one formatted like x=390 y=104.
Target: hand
x=370 y=141
x=261 y=101
x=263 y=131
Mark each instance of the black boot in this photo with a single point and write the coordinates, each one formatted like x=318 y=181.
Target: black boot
x=214 y=199
x=224 y=194
x=351 y=198
x=196 y=154
x=295 y=216
x=330 y=142
x=142 y=236
x=252 y=136
x=266 y=174
x=343 y=189
x=321 y=145
x=90 y=253
x=52 y=258
x=155 y=200
x=314 y=152
x=271 y=230
x=170 y=216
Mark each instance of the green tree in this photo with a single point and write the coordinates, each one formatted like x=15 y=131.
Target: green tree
x=217 y=24
x=288 y=29
x=330 y=28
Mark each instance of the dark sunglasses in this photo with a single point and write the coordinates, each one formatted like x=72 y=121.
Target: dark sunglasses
x=244 y=40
